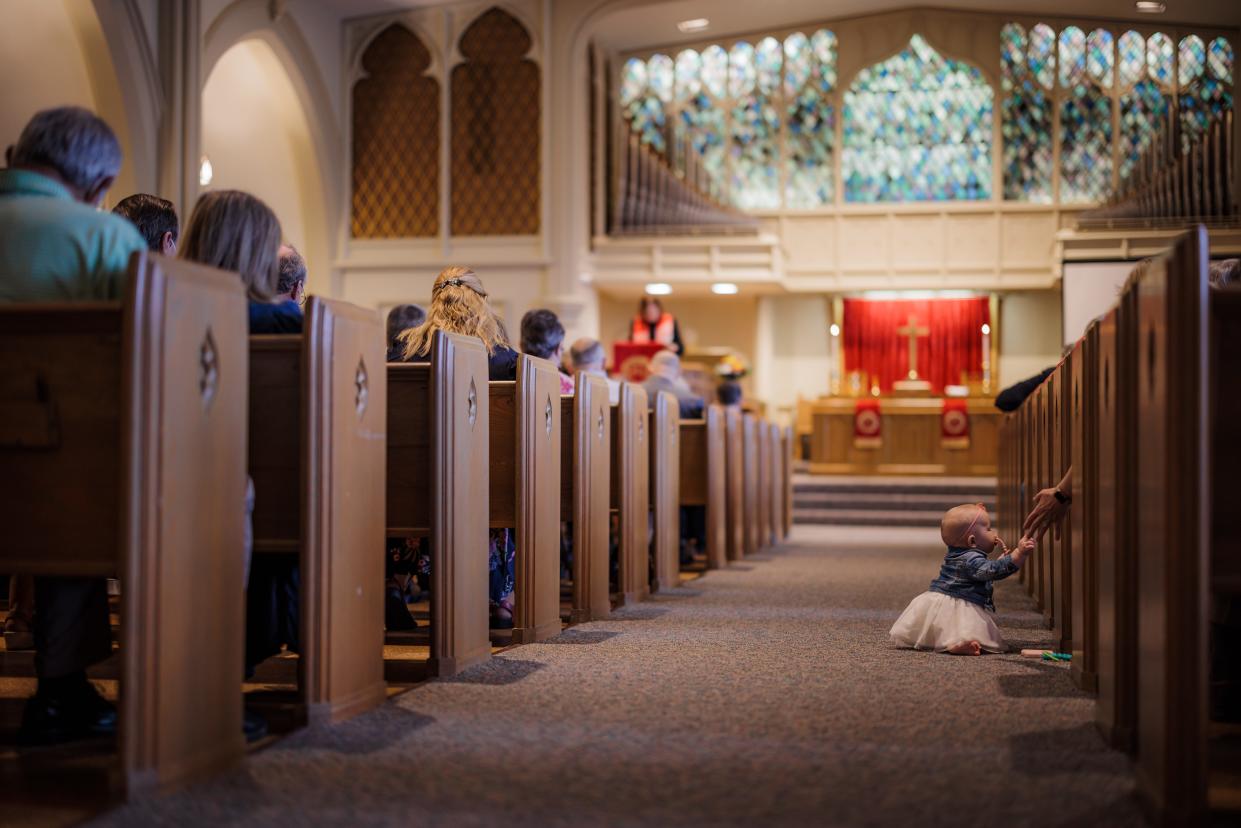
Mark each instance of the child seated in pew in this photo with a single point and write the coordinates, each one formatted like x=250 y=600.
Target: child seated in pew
x=954 y=615
x=459 y=305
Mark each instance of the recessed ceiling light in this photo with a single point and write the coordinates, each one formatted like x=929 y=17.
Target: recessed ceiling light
x=695 y=25
x=1151 y=7
x=724 y=288
x=658 y=288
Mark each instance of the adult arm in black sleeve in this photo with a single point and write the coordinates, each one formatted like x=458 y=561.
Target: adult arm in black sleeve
x=676 y=337
x=1011 y=398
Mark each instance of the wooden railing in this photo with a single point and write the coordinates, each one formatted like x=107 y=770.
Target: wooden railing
x=1175 y=184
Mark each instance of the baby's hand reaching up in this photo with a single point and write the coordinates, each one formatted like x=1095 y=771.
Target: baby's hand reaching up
x=1026 y=545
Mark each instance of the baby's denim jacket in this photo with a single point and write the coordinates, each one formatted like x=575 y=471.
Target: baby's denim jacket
x=967 y=574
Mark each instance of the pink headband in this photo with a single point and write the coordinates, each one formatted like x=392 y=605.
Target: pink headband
x=982 y=510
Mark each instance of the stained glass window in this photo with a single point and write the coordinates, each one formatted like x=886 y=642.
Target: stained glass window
x=1159 y=53
x=641 y=101
x=1204 y=92
x=753 y=81
x=1143 y=104
x=809 y=80
x=1027 y=112
x=917 y=127
x=1085 y=120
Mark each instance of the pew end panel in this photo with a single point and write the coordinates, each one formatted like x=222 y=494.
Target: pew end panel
x=762 y=438
x=460 y=415
x=776 y=485
x=586 y=433
x=665 y=490
x=703 y=479
x=630 y=493
x=183 y=452
x=537 y=499
x=789 y=449
x=750 y=506
x=1083 y=431
x=133 y=414
x=1113 y=506
x=1173 y=539
x=734 y=482
x=345 y=416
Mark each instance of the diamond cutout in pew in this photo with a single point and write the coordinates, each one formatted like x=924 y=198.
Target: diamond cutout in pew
x=599 y=425
x=547 y=415
x=360 y=382
x=208 y=369
x=471 y=404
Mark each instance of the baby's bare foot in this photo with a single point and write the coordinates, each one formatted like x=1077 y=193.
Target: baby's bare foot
x=970 y=648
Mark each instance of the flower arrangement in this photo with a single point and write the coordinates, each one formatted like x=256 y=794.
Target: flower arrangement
x=731 y=367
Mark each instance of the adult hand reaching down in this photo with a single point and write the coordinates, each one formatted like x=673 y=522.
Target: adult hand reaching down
x=1050 y=507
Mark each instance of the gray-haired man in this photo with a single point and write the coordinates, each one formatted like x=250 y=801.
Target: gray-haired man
x=55 y=246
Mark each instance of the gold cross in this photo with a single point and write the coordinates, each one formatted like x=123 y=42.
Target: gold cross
x=912 y=331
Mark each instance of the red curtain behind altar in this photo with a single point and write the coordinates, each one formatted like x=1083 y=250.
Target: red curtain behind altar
x=953 y=345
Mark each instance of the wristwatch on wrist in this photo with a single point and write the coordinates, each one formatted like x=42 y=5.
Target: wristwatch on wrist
x=1063 y=498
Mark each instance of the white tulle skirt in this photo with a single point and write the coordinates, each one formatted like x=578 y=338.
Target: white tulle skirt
x=934 y=621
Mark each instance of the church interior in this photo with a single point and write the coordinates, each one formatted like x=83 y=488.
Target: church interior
x=724 y=328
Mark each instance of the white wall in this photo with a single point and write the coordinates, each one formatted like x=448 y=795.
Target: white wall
x=793 y=349
x=44 y=63
x=1029 y=334
x=1090 y=289
x=257 y=138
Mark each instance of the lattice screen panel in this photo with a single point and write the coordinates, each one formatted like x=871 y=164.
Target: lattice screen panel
x=396 y=144
x=495 y=131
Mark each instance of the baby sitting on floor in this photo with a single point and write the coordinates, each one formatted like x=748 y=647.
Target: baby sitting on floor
x=952 y=616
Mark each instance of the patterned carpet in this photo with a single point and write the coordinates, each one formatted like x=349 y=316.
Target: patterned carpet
x=766 y=694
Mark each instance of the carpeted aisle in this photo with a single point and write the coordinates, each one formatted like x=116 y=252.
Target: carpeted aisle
x=766 y=694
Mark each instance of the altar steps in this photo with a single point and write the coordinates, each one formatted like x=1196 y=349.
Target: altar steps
x=885 y=501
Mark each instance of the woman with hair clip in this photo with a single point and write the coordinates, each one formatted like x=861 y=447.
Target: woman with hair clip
x=458 y=305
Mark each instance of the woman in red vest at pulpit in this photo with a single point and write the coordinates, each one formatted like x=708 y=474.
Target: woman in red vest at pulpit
x=653 y=324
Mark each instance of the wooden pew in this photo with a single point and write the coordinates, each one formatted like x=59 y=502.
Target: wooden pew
x=664 y=487
x=762 y=439
x=317 y=454
x=1062 y=586
x=750 y=482
x=1115 y=495
x=1083 y=543
x=703 y=468
x=789 y=453
x=734 y=483
x=1044 y=452
x=524 y=453
x=437 y=456
x=123 y=424
x=1175 y=369
x=775 y=512
x=630 y=496
x=585 y=491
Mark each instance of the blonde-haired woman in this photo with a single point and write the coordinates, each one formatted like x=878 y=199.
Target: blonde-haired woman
x=458 y=305
x=236 y=231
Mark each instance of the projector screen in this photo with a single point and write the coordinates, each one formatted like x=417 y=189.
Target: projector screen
x=1089 y=289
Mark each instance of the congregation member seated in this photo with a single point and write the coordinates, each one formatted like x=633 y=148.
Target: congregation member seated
x=155 y=218
x=666 y=376
x=654 y=324
x=586 y=356
x=400 y=319
x=729 y=394
x=235 y=231
x=459 y=305
x=542 y=336
x=56 y=246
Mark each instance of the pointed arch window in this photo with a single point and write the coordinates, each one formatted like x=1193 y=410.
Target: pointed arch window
x=1085 y=115
x=917 y=127
x=1027 y=79
x=495 y=130
x=396 y=140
